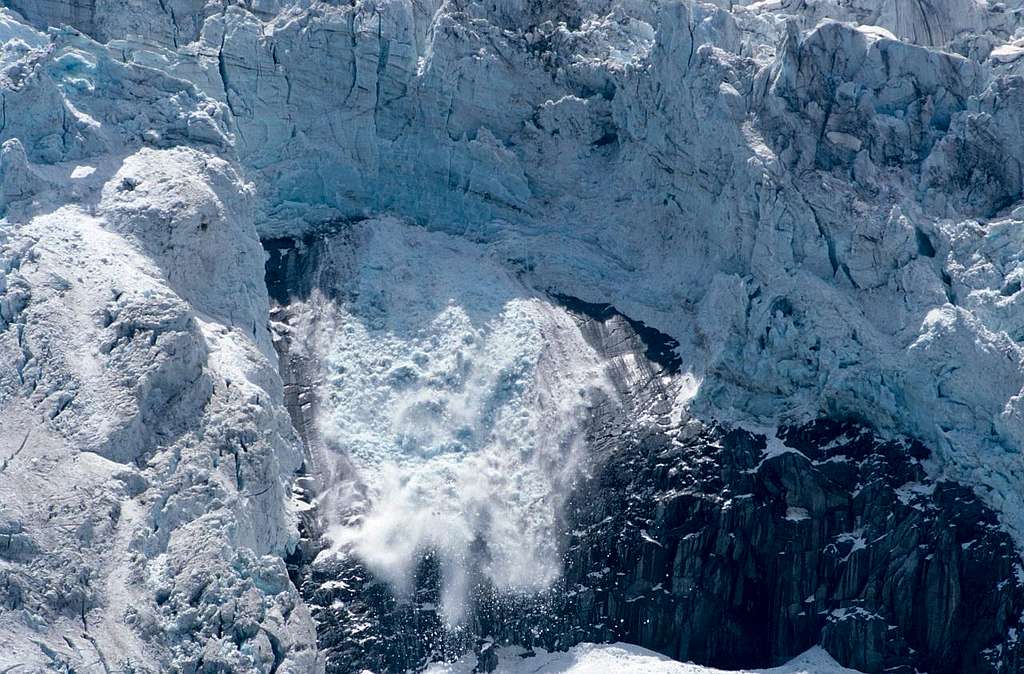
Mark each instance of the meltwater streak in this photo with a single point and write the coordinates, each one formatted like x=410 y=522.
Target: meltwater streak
x=459 y=398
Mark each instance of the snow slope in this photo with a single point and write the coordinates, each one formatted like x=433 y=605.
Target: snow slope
x=626 y=659
x=146 y=454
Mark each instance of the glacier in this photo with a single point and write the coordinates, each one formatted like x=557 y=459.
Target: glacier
x=819 y=203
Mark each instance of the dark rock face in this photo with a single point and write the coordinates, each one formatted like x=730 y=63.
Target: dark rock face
x=707 y=552
x=702 y=542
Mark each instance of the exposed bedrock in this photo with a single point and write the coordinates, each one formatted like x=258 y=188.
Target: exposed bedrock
x=706 y=549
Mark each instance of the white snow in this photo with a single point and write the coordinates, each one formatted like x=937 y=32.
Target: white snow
x=795 y=514
x=82 y=172
x=144 y=448
x=908 y=492
x=16 y=36
x=877 y=32
x=1007 y=53
x=626 y=659
x=857 y=538
x=774 y=446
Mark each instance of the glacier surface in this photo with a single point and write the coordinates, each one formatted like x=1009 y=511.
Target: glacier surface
x=822 y=202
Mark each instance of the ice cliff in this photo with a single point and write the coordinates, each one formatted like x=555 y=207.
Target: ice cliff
x=820 y=202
